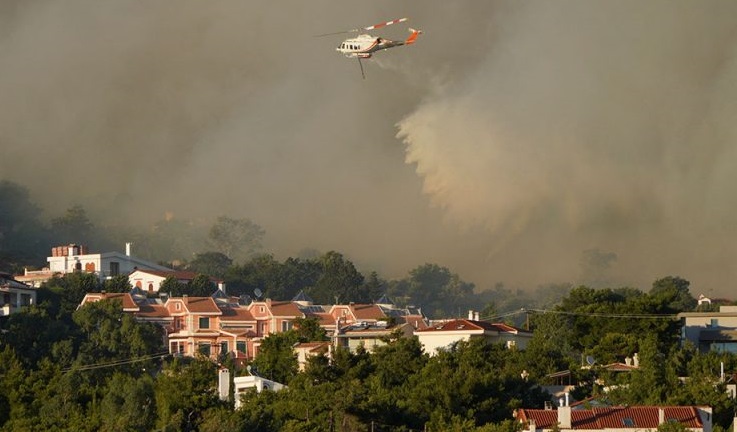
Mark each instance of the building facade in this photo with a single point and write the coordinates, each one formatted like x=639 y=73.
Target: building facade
x=14 y=295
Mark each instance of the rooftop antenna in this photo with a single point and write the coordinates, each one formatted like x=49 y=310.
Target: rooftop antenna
x=257 y=292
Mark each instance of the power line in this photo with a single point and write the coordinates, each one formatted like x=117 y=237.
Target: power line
x=589 y=314
x=608 y=315
x=116 y=362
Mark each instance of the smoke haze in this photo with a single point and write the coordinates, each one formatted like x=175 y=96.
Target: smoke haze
x=510 y=139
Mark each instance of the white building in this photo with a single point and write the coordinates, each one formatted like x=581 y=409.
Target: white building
x=150 y=280
x=242 y=384
x=75 y=258
x=711 y=331
x=443 y=335
x=14 y=295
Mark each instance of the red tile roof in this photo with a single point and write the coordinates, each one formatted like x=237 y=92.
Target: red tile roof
x=313 y=346
x=125 y=298
x=285 y=309
x=466 y=324
x=204 y=305
x=459 y=325
x=149 y=310
x=367 y=311
x=236 y=314
x=642 y=417
x=324 y=318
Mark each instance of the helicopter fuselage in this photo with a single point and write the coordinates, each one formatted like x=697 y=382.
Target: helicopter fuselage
x=363 y=46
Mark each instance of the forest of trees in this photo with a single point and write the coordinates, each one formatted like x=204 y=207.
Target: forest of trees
x=96 y=368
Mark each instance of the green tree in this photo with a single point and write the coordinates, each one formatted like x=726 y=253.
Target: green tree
x=437 y=290
x=23 y=238
x=339 y=280
x=201 y=286
x=112 y=335
x=74 y=227
x=675 y=292
x=309 y=330
x=238 y=239
x=129 y=404
x=173 y=287
x=213 y=264
x=276 y=359
x=184 y=391
x=117 y=284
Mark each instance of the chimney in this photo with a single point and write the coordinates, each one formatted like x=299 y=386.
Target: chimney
x=224 y=384
x=470 y=314
x=128 y=249
x=221 y=286
x=564 y=417
x=661 y=416
x=476 y=316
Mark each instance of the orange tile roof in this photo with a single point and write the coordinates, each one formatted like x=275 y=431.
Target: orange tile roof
x=149 y=310
x=201 y=305
x=285 y=309
x=367 y=311
x=125 y=298
x=236 y=314
x=312 y=346
x=643 y=417
x=324 y=318
x=465 y=324
x=459 y=325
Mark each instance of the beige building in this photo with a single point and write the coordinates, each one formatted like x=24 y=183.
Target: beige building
x=14 y=295
x=711 y=331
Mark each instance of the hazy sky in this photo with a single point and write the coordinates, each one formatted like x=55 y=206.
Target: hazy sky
x=511 y=138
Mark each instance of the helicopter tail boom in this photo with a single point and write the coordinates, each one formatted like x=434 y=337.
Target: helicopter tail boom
x=413 y=37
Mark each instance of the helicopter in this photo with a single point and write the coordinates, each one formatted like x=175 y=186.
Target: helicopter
x=364 y=46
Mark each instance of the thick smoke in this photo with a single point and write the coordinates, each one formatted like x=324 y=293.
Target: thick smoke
x=533 y=131
x=593 y=125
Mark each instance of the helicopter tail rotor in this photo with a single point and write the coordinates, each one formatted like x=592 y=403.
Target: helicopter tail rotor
x=413 y=37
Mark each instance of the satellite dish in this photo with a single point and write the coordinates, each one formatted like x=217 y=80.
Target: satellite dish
x=257 y=292
x=590 y=360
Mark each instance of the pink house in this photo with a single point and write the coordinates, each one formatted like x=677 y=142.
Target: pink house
x=221 y=325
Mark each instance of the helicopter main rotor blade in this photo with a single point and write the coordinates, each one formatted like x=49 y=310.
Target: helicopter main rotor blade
x=384 y=24
x=339 y=32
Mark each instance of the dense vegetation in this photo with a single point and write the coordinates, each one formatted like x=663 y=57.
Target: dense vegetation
x=95 y=368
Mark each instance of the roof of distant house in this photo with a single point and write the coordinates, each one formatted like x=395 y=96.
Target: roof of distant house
x=635 y=417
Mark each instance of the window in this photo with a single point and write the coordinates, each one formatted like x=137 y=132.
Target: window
x=114 y=268
x=628 y=422
x=714 y=322
x=179 y=306
x=204 y=322
x=204 y=348
x=241 y=346
x=224 y=347
x=286 y=326
x=150 y=287
x=261 y=309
